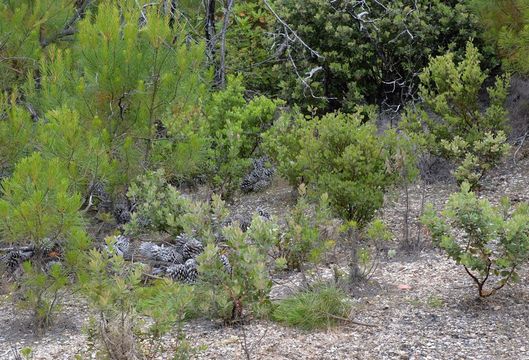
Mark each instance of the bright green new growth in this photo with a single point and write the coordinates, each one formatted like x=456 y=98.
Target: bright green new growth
x=139 y=90
x=490 y=242
x=37 y=203
x=458 y=128
x=322 y=306
x=26 y=27
x=38 y=208
x=64 y=137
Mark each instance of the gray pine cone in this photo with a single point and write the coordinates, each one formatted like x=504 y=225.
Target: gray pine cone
x=259 y=177
x=226 y=262
x=178 y=272
x=192 y=249
x=192 y=271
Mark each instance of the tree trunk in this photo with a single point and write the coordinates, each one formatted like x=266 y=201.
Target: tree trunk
x=211 y=36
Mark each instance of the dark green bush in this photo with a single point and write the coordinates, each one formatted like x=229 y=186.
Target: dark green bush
x=368 y=51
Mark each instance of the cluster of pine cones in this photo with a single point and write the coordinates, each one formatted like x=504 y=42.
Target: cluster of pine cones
x=259 y=177
x=176 y=261
x=46 y=254
x=12 y=260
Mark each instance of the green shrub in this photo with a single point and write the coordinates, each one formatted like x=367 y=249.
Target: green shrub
x=41 y=292
x=111 y=288
x=63 y=137
x=242 y=285
x=46 y=279
x=37 y=204
x=123 y=302
x=248 y=46
x=304 y=241
x=369 y=51
x=160 y=207
x=236 y=126
x=26 y=26
x=39 y=209
x=322 y=306
x=167 y=303
x=139 y=90
x=341 y=155
x=458 y=128
x=490 y=242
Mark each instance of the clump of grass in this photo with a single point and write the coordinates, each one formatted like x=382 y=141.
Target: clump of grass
x=318 y=307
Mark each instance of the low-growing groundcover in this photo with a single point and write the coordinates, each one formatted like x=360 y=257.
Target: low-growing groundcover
x=320 y=307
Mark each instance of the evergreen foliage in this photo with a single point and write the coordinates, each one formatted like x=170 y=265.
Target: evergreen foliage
x=116 y=106
x=341 y=155
x=63 y=137
x=368 y=51
x=37 y=203
x=245 y=284
x=159 y=206
x=304 y=241
x=489 y=242
x=16 y=133
x=26 y=27
x=236 y=126
x=128 y=82
x=506 y=25
x=458 y=128
x=249 y=43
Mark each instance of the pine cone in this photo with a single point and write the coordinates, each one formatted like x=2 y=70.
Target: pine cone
x=192 y=249
x=259 y=177
x=148 y=250
x=122 y=210
x=226 y=262
x=169 y=254
x=161 y=253
x=122 y=246
x=98 y=191
x=12 y=260
x=192 y=271
x=180 y=241
x=178 y=272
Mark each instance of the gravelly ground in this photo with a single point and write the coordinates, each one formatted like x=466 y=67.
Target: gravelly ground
x=423 y=307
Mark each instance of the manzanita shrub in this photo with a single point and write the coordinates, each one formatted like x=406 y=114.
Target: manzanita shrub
x=490 y=242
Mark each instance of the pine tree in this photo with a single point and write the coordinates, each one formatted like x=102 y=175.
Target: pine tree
x=37 y=203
